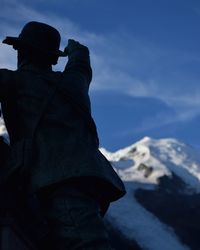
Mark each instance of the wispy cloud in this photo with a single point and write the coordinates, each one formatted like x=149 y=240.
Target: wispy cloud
x=121 y=61
x=14 y=15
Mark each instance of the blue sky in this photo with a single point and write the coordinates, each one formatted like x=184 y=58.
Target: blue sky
x=145 y=56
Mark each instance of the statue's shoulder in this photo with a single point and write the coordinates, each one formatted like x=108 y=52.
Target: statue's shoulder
x=7 y=82
x=6 y=74
x=6 y=71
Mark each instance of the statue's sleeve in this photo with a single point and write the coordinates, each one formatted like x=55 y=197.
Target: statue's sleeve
x=77 y=75
x=78 y=66
x=5 y=83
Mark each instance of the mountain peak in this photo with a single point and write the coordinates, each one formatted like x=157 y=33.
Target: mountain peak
x=161 y=177
x=161 y=157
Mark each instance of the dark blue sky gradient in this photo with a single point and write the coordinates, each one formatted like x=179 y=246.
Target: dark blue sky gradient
x=145 y=56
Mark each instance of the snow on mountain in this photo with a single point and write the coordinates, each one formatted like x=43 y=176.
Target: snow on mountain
x=147 y=160
x=3 y=130
x=161 y=208
x=142 y=166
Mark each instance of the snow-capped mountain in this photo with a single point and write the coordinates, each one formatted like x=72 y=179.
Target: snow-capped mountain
x=161 y=210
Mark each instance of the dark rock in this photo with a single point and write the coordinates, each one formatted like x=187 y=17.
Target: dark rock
x=179 y=210
x=147 y=170
x=119 y=241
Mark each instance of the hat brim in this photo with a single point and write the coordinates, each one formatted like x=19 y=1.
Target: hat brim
x=14 y=41
x=11 y=40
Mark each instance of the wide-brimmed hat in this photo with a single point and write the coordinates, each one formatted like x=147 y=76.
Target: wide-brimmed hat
x=39 y=36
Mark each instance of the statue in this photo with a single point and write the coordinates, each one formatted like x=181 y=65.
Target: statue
x=54 y=141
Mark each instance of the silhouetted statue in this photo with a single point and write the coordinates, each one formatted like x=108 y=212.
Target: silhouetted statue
x=53 y=138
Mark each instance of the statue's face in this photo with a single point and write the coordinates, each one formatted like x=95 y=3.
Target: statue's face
x=23 y=56
x=20 y=57
x=29 y=55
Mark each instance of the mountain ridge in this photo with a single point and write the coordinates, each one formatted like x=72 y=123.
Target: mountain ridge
x=160 y=174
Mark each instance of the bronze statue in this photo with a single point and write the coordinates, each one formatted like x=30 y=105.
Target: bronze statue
x=53 y=139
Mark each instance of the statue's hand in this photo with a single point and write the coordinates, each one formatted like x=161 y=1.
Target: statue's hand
x=74 y=45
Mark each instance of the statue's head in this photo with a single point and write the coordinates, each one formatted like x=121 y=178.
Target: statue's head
x=38 y=40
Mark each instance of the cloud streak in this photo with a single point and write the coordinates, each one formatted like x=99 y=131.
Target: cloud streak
x=121 y=61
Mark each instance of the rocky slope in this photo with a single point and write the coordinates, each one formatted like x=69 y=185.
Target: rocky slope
x=161 y=209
